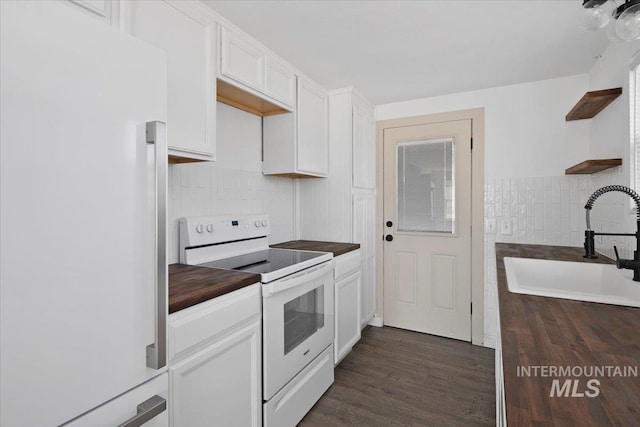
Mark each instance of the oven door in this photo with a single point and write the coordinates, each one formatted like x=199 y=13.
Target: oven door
x=298 y=319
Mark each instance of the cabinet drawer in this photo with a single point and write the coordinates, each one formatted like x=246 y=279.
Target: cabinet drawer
x=197 y=326
x=347 y=263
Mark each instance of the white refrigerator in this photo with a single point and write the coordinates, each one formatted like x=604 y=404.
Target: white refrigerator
x=83 y=227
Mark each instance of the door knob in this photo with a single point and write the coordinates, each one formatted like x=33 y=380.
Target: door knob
x=388 y=238
x=389 y=224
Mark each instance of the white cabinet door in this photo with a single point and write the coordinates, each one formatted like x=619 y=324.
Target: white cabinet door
x=347 y=314
x=125 y=407
x=220 y=385
x=364 y=148
x=107 y=11
x=313 y=143
x=280 y=81
x=241 y=59
x=364 y=217
x=187 y=35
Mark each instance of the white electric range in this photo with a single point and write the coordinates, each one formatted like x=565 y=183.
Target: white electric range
x=297 y=306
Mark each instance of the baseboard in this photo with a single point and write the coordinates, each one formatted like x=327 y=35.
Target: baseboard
x=376 y=321
x=489 y=341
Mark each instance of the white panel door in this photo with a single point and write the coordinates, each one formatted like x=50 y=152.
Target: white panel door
x=347 y=314
x=107 y=11
x=364 y=148
x=188 y=38
x=241 y=59
x=77 y=257
x=364 y=217
x=427 y=214
x=313 y=143
x=220 y=385
x=280 y=81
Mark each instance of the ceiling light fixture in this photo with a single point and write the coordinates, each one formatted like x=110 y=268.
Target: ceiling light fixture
x=622 y=21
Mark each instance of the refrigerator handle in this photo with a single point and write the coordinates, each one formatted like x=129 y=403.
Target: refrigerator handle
x=157 y=135
x=146 y=411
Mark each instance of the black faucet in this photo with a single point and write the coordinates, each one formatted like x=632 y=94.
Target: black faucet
x=589 y=234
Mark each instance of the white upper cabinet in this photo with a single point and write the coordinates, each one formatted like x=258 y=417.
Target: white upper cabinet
x=186 y=32
x=107 y=11
x=364 y=147
x=280 y=81
x=242 y=59
x=313 y=142
x=296 y=145
x=249 y=66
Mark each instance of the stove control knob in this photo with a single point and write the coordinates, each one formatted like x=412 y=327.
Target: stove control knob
x=264 y=222
x=257 y=223
x=210 y=228
x=200 y=228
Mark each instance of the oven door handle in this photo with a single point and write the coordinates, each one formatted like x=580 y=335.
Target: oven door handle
x=296 y=279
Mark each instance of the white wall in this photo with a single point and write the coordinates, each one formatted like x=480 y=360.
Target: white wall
x=525 y=131
x=234 y=184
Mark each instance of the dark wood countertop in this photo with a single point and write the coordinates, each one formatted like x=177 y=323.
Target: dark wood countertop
x=313 y=245
x=541 y=331
x=190 y=285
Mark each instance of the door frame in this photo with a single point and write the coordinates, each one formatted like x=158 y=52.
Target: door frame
x=477 y=208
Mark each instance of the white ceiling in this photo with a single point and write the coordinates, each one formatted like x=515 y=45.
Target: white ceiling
x=399 y=50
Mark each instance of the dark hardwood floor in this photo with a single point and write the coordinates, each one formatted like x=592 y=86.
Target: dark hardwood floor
x=394 y=377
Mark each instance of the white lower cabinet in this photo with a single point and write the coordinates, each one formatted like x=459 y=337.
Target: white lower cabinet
x=150 y=396
x=216 y=376
x=348 y=284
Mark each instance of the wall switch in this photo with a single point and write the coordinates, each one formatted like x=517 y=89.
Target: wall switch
x=505 y=227
x=490 y=226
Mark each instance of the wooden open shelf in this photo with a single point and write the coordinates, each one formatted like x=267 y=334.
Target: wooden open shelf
x=231 y=95
x=592 y=166
x=592 y=103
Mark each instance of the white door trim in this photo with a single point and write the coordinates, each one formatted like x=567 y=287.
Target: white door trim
x=477 y=208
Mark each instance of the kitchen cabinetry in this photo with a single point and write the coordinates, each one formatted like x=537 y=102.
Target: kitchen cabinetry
x=347 y=303
x=107 y=11
x=245 y=61
x=215 y=367
x=296 y=144
x=185 y=30
x=364 y=146
x=342 y=207
x=364 y=217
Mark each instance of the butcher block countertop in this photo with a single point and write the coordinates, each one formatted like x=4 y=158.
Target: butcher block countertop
x=313 y=245
x=549 y=332
x=190 y=285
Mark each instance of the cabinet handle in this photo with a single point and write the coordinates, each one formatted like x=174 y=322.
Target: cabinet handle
x=146 y=410
x=157 y=135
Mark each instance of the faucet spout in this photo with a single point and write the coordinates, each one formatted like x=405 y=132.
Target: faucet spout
x=589 y=242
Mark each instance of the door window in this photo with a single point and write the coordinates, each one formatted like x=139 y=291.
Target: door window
x=426 y=186
x=303 y=316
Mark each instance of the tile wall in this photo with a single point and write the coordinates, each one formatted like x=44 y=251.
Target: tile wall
x=206 y=189
x=550 y=211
